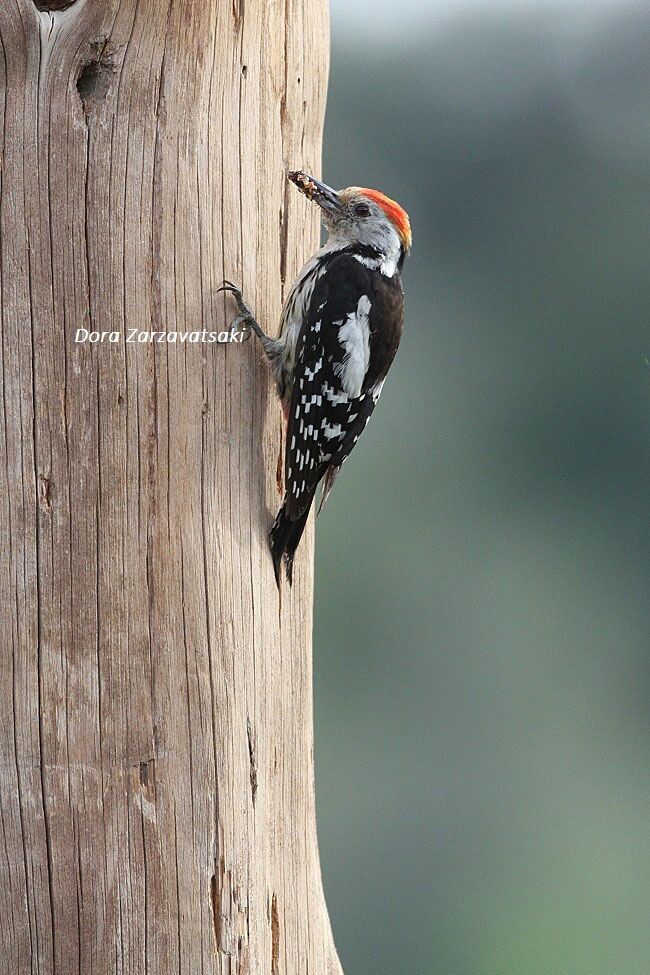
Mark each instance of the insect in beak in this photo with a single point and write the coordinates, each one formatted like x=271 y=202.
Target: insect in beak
x=320 y=193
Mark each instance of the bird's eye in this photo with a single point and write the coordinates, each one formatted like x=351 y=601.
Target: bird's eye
x=362 y=210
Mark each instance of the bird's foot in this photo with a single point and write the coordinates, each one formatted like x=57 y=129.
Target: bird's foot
x=244 y=318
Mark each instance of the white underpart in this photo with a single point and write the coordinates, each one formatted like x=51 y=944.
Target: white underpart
x=295 y=309
x=354 y=336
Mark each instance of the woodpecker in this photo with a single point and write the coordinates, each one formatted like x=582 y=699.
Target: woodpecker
x=340 y=328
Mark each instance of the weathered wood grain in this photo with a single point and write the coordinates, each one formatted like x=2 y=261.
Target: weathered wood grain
x=156 y=767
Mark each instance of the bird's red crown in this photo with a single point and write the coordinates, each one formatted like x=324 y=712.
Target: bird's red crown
x=394 y=212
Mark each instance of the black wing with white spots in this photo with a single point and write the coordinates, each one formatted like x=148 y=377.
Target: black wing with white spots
x=344 y=350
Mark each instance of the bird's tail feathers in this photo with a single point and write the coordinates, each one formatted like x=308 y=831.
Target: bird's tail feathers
x=285 y=538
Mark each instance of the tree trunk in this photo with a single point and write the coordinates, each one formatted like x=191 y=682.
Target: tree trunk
x=156 y=755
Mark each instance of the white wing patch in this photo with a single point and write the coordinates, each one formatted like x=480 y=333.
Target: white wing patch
x=354 y=336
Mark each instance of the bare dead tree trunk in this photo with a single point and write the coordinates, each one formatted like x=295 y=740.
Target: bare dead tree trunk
x=157 y=807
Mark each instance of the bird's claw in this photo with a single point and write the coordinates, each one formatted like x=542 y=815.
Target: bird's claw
x=232 y=288
x=242 y=307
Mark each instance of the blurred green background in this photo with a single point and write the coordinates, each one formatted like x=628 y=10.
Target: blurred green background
x=482 y=672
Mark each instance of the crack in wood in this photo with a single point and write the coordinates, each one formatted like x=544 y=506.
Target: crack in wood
x=215 y=904
x=275 y=935
x=238 y=12
x=147 y=777
x=44 y=492
x=252 y=760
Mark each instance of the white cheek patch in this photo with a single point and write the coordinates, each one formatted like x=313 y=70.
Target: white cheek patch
x=382 y=237
x=354 y=336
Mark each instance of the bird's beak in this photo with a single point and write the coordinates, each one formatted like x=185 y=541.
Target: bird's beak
x=326 y=198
